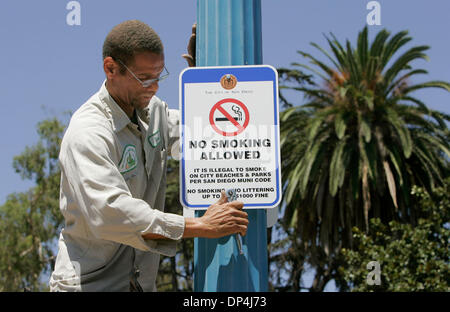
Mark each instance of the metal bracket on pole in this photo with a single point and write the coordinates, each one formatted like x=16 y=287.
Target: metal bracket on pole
x=232 y=196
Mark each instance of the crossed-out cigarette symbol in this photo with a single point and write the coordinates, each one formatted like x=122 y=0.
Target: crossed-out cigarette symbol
x=236 y=110
x=240 y=120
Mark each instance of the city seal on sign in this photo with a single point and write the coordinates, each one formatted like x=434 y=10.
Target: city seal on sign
x=228 y=81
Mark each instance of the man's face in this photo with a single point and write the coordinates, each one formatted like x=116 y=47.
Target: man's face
x=130 y=92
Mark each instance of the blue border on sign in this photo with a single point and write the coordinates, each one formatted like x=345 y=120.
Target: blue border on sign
x=214 y=74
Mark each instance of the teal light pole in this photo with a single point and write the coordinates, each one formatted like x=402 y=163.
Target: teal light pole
x=229 y=33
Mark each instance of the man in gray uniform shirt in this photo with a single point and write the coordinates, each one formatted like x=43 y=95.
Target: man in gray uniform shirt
x=113 y=176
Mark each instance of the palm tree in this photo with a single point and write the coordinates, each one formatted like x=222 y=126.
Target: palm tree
x=359 y=144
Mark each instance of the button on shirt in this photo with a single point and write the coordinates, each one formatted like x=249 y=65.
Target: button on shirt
x=113 y=181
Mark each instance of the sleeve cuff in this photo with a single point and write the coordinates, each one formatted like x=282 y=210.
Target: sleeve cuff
x=168 y=225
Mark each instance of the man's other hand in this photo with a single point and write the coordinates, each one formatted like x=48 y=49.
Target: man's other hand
x=190 y=57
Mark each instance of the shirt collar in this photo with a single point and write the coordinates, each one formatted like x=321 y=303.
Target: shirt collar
x=118 y=117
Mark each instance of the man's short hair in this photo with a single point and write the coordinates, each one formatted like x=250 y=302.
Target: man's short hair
x=129 y=38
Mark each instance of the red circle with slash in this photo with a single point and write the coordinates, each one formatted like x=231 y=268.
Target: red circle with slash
x=219 y=106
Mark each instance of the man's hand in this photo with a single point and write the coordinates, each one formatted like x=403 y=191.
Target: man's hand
x=190 y=57
x=221 y=219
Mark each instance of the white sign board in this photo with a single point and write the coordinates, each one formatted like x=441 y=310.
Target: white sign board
x=230 y=135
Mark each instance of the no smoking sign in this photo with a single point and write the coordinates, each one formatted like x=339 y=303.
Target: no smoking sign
x=230 y=135
x=229 y=114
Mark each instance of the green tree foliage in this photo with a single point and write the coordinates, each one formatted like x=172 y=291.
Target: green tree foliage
x=30 y=221
x=356 y=148
x=410 y=258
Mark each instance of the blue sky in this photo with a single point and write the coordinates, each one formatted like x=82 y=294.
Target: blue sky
x=50 y=67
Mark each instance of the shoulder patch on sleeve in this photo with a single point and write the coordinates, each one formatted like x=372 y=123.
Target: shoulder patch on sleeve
x=128 y=160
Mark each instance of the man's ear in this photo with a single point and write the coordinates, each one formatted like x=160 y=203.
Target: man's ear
x=110 y=67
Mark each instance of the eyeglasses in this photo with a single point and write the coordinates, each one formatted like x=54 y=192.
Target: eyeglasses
x=147 y=83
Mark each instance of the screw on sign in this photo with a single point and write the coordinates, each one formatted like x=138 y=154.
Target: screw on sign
x=229 y=114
